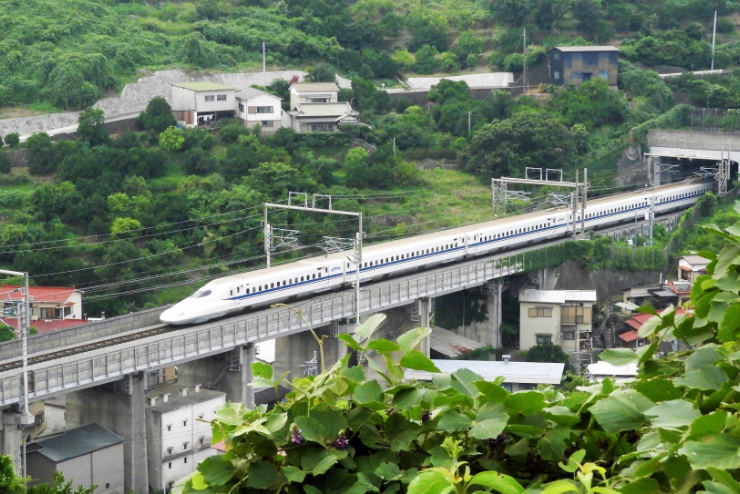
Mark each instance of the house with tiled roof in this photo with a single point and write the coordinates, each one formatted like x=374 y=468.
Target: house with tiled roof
x=52 y=307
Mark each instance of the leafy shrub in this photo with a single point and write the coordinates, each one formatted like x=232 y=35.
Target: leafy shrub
x=4 y=163
x=12 y=140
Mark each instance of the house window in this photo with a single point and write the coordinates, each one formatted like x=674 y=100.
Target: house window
x=569 y=335
x=320 y=127
x=556 y=75
x=266 y=123
x=185 y=445
x=264 y=109
x=603 y=55
x=107 y=485
x=67 y=311
x=577 y=56
x=544 y=339
x=604 y=74
x=185 y=422
x=241 y=107
x=576 y=75
x=556 y=56
x=221 y=97
x=38 y=419
x=169 y=428
x=574 y=314
x=170 y=485
x=210 y=98
x=169 y=450
x=185 y=459
x=540 y=312
x=317 y=100
x=170 y=466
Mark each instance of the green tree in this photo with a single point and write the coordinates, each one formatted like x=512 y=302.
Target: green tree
x=449 y=61
x=426 y=60
x=125 y=228
x=7 y=333
x=157 y=116
x=275 y=179
x=321 y=72
x=41 y=159
x=526 y=139
x=5 y=164
x=10 y=483
x=12 y=140
x=91 y=127
x=404 y=59
x=172 y=139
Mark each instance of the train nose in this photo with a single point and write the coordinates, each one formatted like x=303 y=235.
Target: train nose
x=175 y=316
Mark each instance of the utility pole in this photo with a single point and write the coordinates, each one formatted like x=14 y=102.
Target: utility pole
x=469 y=113
x=394 y=147
x=524 y=62
x=263 y=57
x=357 y=241
x=584 y=192
x=574 y=206
x=714 y=37
x=24 y=321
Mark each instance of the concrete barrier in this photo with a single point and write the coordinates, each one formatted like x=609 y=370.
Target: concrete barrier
x=58 y=339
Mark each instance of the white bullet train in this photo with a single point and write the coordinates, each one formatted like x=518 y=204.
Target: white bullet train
x=299 y=279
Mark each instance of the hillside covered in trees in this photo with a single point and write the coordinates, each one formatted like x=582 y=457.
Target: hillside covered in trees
x=69 y=53
x=139 y=219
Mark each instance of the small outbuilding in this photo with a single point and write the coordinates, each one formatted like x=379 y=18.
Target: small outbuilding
x=578 y=64
x=86 y=456
x=691 y=267
x=197 y=103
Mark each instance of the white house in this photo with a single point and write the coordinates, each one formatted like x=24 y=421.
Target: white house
x=313 y=92
x=195 y=103
x=258 y=107
x=560 y=317
x=178 y=435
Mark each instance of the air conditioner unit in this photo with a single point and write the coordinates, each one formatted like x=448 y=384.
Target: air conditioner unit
x=34 y=318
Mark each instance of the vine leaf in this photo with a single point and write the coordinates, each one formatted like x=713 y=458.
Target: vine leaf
x=674 y=414
x=708 y=377
x=619 y=356
x=498 y=482
x=416 y=360
x=713 y=450
x=623 y=410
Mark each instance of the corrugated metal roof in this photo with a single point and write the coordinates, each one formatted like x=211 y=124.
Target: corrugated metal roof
x=251 y=92
x=310 y=87
x=580 y=49
x=204 y=86
x=76 y=442
x=557 y=296
x=512 y=372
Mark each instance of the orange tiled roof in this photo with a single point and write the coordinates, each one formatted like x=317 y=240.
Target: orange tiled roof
x=49 y=294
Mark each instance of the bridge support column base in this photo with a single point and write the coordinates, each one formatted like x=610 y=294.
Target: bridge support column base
x=229 y=372
x=295 y=353
x=425 y=321
x=123 y=413
x=11 y=438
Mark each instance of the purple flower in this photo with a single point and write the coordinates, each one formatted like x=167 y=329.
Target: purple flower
x=295 y=434
x=341 y=443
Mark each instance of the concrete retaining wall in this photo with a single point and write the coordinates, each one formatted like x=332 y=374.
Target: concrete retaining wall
x=80 y=334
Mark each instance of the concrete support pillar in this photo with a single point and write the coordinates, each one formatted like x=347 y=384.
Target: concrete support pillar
x=292 y=352
x=230 y=372
x=11 y=438
x=494 y=314
x=425 y=316
x=124 y=412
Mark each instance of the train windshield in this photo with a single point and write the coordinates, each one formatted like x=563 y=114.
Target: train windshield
x=201 y=293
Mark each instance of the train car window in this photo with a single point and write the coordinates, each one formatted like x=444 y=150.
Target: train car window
x=302 y=279
x=237 y=289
